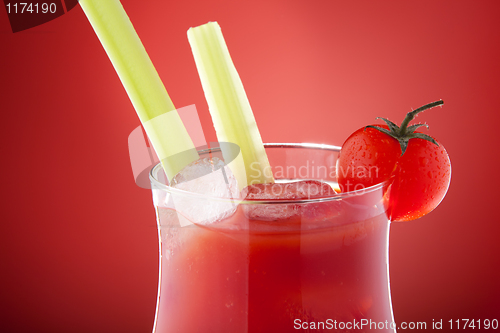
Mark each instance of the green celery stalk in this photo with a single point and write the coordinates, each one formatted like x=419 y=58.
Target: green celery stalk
x=144 y=87
x=229 y=107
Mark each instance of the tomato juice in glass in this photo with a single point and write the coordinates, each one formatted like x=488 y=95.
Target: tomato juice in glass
x=314 y=264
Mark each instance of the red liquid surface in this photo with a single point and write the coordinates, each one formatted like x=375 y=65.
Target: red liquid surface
x=295 y=274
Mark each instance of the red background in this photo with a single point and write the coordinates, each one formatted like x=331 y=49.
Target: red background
x=78 y=237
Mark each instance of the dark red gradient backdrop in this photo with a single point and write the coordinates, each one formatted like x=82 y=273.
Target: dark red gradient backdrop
x=78 y=238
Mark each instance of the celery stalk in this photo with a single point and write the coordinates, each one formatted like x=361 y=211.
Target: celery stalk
x=154 y=107
x=231 y=113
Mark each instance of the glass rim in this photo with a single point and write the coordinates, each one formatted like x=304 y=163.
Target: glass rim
x=338 y=196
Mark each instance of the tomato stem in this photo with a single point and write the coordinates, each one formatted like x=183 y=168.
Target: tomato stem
x=404 y=132
x=411 y=115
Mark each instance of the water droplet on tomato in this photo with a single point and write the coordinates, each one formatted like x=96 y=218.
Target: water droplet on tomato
x=423 y=161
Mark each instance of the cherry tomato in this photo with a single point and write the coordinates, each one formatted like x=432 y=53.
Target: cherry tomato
x=417 y=166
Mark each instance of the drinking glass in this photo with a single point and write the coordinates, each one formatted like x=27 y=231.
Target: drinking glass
x=318 y=264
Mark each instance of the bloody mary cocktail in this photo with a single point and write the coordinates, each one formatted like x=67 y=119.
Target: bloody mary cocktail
x=277 y=265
